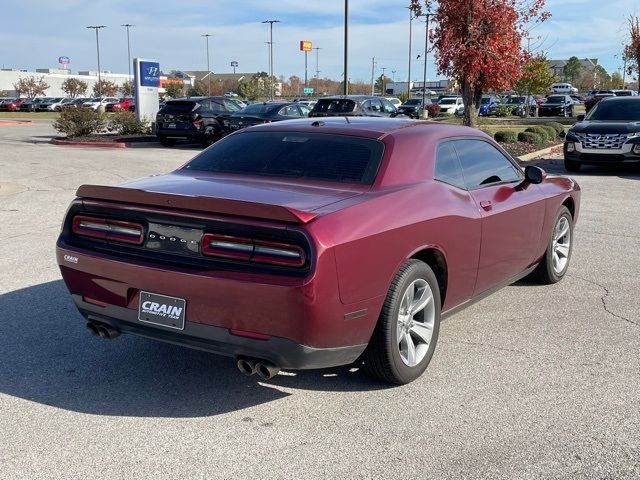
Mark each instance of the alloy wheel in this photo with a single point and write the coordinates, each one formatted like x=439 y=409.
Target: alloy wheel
x=415 y=323
x=561 y=245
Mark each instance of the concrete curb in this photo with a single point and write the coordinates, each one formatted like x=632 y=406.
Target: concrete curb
x=75 y=143
x=8 y=123
x=538 y=153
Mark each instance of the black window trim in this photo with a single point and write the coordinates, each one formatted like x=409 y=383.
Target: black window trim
x=508 y=157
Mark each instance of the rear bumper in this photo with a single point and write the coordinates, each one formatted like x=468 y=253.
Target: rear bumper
x=191 y=132
x=283 y=352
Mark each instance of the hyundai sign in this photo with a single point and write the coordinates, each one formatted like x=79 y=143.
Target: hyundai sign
x=149 y=74
x=146 y=83
x=64 y=60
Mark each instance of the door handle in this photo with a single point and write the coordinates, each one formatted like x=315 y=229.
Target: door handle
x=486 y=204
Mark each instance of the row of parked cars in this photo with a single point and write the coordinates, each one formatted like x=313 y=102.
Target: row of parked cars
x=57 y=104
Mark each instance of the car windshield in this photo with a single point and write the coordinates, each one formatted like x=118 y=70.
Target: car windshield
x=625 y=111
x=258 y=108
x=334 y=105
x=448 y=101
x=413 y=101
x=485 y=100
x=555 y=99
x=317 y=156
x=516 y=100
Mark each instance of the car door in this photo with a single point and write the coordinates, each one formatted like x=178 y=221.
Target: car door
x=289 y=112
x=512 y=212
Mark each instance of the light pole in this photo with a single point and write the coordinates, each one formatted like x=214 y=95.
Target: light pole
x=373 y=73
x=384 y=90
x=128 y=26
x=393 y=76
x=317 y=49
x=345 y=89
x=96 y=28
x=425 y=113
x=409 y=71
x=206 y=36
x=271 y=22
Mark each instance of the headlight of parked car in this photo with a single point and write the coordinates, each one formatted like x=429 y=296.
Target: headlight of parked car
x=571 y=147
x=636 y=149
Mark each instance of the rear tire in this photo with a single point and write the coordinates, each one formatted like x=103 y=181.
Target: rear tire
x=571 y=166
x=167 y=142
x=555 y=263
x=406 y=335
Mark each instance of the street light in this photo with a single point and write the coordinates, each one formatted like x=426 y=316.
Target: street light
x=271 y=22
x=425 y=113
x=345 y=89
x=96 y=28
x=206 y=36
x=409 y=72
x=128 y=26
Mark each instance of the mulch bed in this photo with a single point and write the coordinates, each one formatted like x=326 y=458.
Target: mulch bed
x=522 y=148
x=114 y=138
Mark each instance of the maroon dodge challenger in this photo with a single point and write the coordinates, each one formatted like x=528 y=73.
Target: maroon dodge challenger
x=316 y=243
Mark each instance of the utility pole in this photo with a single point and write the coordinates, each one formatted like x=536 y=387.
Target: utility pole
x=393 y=76
x=345 y=89
x=384 y=91
x=96 y=28
x=271 y=68
x=305 y=69
x=425 y=113
x=206 y=36
x=317 y=49
x=128 y=26
x=409 y=72
x=373 y=73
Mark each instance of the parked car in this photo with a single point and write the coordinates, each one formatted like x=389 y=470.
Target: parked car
x=451 y=106
x=12 y=104
x=122 y=104
x=608 y=135
x=591 y=101
x=295 y=245
x=31 y=104
x=412 y=108
x=396 y=102
x=50 y=105
x=577 y=99
x=306 y=102
x=193 y=118
x=353 y=106
x=625 y=93
x=556 y=106
x=487 y=103
x=264 y=113
x=66 y=103
x=565 y=88
x=98 y=102
x=520 y=104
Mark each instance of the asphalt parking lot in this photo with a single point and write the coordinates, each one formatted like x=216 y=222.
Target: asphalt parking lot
x=534 y=382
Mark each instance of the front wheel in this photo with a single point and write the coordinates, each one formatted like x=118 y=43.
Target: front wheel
x=406 y=334
x=555 y=262
x=571 y=166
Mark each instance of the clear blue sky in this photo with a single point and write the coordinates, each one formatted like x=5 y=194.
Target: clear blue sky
x=42 y=30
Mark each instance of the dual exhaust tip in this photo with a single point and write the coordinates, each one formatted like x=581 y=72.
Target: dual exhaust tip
x=102 y=331
x=249 y=366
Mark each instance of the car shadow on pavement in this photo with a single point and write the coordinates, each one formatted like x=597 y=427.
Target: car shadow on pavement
x=47 y=356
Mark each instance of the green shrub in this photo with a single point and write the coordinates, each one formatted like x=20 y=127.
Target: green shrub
x=550 y=131
x=504 y=110
x=532 y=137
x=540 y=131
x=558 y=127
x=124 y=122
x=506 y=136
x=80 y=122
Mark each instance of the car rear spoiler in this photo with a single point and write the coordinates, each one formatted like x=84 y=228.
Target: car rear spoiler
x=206 y=204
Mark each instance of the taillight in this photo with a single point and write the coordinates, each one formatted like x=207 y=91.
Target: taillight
x=108 y=229
x=253 y=250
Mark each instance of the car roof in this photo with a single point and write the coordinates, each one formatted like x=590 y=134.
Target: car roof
x=621 y=99
x=371 y=127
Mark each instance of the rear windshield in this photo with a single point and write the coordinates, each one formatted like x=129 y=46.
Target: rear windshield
x=413 y=101
x=317 y=156
x=259 y=108
x=618 y=110
x=334 y=106
x=448 y=101
x=555 y=99
x=179 y=106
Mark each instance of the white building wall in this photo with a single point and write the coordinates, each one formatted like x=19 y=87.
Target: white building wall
x=55 y=80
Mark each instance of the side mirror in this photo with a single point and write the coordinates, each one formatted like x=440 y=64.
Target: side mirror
x=580 y=118
x=534 y=175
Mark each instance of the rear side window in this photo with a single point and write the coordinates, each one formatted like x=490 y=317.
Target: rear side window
x=447 y=168
x=318 y=156
x=334 y=105
x=483 y=164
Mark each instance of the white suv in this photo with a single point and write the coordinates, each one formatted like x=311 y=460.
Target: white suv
x=99 y=101
x=451 y=106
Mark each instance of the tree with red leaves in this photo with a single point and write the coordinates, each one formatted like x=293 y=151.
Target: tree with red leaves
x=478 y=43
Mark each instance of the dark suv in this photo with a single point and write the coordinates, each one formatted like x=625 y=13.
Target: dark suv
x=193 y=118
x=609 y=134
x=353 y=106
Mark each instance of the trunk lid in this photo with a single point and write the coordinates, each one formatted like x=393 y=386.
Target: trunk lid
x=227 y=194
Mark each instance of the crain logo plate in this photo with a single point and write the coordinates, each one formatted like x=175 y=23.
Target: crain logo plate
x=70 y=259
